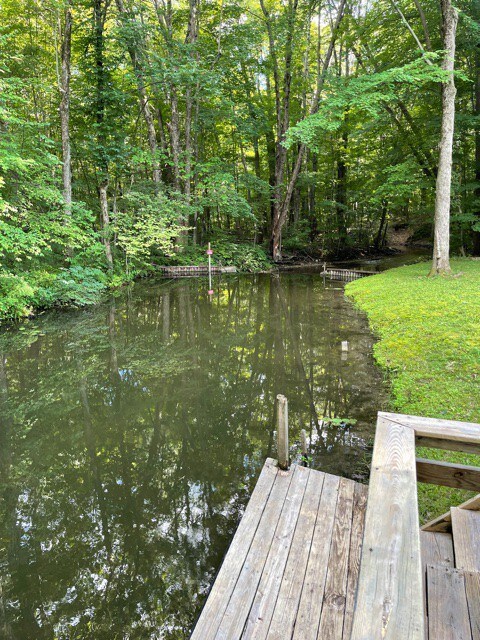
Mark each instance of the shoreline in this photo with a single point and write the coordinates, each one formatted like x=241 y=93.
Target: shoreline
x=429 y=347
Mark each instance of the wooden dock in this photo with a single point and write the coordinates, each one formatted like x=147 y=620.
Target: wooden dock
x=292 y=568
x=314 y=559
x=193 y=270
x=346 y=275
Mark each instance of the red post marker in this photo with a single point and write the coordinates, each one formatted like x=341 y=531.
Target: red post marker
x=209 y=252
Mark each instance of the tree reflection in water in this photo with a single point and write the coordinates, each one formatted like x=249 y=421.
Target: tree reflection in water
x=131 y=435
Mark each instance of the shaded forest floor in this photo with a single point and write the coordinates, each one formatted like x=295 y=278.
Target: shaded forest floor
x=429 y=344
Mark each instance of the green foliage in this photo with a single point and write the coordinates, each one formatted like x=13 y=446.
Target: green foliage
x=366 y=95
x=15 y=296
x=74 y=286
x=245 y=257
x=430 y=344
x=147 y=223
x=78 y=286
x=220 y=193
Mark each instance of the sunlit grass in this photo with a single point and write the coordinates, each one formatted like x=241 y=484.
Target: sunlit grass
x=429 y=330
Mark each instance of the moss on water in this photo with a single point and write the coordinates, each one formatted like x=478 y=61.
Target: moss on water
x=429 y=342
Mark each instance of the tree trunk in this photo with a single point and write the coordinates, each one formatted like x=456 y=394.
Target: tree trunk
x=102 y=189
x=476 y=234
x=380 y=237
x=281 y=205
x=441 y=247
x=341 y=192
x=65 y=115
x=190 y=96
x=139 y=71
x=99 y=17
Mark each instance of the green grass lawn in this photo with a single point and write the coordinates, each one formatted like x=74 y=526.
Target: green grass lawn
x=429 y=342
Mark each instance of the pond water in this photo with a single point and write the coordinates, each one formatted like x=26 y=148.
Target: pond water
x=132 y=434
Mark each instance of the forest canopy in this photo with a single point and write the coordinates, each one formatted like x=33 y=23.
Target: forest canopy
x=132 y=132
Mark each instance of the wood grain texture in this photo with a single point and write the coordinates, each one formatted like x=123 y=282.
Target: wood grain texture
x=335 y=594
x=454 y=430
x=355 y=554
x=227 y=577
x=390 y=595
x=447 y=474
x=286 y=607
x=444 y=522
x=437 y=549
x=235 y=616
x=448 y=445
x=466 y=538
x=261 y=611
x=310 y=607
x=448 y=617
x=472 y=588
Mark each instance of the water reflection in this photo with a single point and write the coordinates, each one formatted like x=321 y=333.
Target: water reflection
x=131 y=436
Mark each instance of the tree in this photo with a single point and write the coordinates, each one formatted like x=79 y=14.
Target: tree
x=64 y=86
x=441 y=247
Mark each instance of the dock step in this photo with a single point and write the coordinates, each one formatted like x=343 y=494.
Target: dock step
x=437 y=549
x=466 y=538
x=448 y=614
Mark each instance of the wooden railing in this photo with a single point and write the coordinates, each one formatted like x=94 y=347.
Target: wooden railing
x=390 y=593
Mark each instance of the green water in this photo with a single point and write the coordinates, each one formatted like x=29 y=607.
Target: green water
x=132 y=433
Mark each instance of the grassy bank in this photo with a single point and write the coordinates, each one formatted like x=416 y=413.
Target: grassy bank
x=429 y=330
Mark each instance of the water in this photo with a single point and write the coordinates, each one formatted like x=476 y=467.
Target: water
x=132 y=434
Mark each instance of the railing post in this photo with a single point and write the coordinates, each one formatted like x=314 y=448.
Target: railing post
x=282 y=432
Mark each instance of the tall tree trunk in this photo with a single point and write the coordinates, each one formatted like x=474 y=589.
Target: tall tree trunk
x=341 y=191
x=190 y=96
x=99 y=17
x=380 y=237
x=441 y=247
x=281 y=205
x=65 y=114
x=476 y=233
x=102 y=189
x=282 y=108
x=139 y=71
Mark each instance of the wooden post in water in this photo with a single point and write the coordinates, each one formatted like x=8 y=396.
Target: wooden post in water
x=282 y=432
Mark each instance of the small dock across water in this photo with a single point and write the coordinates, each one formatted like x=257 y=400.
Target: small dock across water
x=317 y=556
x=346 y=275
x=193 y=270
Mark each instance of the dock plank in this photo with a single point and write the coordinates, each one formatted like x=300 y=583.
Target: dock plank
x=286 y=607
x=356 y=542
x=448 y=617
x=437 y=549
x=335 y=595
x=235 y=616
x=466 y=538
x=310 y=607
x=390 y=592
x=472 y=587
x=224 y=584
x=261 y=612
